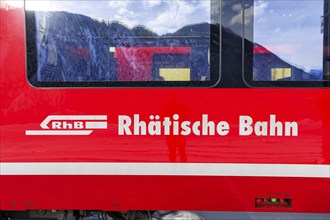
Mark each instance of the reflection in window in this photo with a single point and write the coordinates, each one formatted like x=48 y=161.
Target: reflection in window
x=280 y=73
x=175 y=74
x=121 y=40
x=289 y=39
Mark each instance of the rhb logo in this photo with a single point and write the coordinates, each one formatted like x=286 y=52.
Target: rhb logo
x=70 y=125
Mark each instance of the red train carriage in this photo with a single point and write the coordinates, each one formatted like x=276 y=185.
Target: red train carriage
x=220 y=107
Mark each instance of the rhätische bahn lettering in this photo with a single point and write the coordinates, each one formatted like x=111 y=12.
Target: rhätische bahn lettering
x=155 y=125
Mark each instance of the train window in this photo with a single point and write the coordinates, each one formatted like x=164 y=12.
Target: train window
x=122 y=43
x=286 y=42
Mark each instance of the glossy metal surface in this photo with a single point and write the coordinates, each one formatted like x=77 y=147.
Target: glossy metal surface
x=24 y=108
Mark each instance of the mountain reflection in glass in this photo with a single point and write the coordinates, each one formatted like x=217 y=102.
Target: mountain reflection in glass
x=289 y=37
x=163 y=40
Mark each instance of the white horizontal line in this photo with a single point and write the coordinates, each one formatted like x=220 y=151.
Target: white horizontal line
x=167 y=169
x=52 y=132
x=78 y=117
x=96 y=125
x=44 y=124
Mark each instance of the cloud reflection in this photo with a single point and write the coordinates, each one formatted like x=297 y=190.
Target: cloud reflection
x=162 y=16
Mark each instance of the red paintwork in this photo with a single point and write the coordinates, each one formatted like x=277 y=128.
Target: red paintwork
x=82 y=52
x=24 y=108
x=141 y=57
x=260 y=49
x=168 y=192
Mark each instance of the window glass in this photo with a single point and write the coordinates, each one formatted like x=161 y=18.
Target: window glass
x=119 y=41
x=289 y=40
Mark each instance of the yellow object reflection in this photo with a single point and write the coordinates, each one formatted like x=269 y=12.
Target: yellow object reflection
x=175 y=74
x=280 y=73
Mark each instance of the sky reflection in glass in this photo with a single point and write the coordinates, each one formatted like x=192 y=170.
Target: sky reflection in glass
x=292 y=30
x=161 y=16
